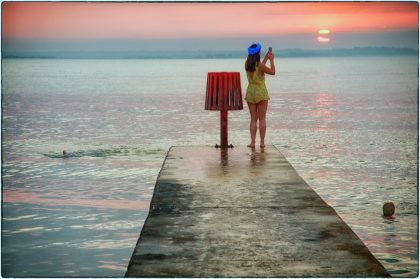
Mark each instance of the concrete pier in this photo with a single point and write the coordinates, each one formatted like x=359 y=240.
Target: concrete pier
x=243 y=213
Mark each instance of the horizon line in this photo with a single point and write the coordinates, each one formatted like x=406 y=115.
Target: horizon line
x=207 y=54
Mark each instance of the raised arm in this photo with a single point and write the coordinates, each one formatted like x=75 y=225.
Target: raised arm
x=268 y=70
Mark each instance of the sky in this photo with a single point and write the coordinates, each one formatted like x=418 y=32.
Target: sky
x=206 y=26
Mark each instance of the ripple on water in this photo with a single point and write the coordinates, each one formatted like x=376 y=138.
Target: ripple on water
x=106 y=152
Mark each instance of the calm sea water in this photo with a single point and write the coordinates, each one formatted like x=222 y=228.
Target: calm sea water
x=348 y=126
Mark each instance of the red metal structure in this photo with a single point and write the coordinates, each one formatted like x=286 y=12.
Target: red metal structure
x=224 y=93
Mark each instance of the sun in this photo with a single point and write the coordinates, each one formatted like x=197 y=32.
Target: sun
x=324 y=33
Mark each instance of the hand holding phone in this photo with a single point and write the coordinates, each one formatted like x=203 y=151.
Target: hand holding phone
x=270 y=54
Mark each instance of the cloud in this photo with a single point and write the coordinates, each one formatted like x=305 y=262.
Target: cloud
x=89 y=20
x=407 y=39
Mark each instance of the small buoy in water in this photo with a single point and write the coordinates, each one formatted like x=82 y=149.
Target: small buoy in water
x=388 y=209
x=65 y=155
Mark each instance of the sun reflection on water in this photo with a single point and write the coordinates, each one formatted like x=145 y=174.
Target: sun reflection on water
x=26 y=196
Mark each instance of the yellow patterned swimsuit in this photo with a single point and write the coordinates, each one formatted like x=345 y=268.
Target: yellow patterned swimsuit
x=256 y=90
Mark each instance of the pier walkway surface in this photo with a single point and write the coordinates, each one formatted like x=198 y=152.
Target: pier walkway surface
x=243 y=213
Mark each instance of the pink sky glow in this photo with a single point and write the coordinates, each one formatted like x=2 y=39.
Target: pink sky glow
x=70 y=20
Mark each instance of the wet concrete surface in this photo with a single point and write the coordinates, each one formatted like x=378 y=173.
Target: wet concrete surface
x=243 y=213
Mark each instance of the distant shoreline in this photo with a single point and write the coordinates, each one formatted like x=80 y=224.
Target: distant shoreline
x=205 y=54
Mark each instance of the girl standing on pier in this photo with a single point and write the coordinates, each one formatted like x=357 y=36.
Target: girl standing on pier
x=256 y=92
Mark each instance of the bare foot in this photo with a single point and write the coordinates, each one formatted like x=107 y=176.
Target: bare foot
x=251 y=145
x=262 y=145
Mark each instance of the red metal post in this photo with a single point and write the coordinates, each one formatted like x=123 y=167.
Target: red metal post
x=223 y=93
x=223 y=128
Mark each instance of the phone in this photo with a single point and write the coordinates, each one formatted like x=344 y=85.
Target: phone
x=270 y=49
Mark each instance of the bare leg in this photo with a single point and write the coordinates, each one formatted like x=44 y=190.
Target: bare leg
x=261 y=112
x=253 y=123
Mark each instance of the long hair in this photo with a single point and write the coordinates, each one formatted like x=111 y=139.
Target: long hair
x=252 y=61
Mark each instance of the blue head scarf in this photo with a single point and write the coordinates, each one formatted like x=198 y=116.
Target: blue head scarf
x=254 y=49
